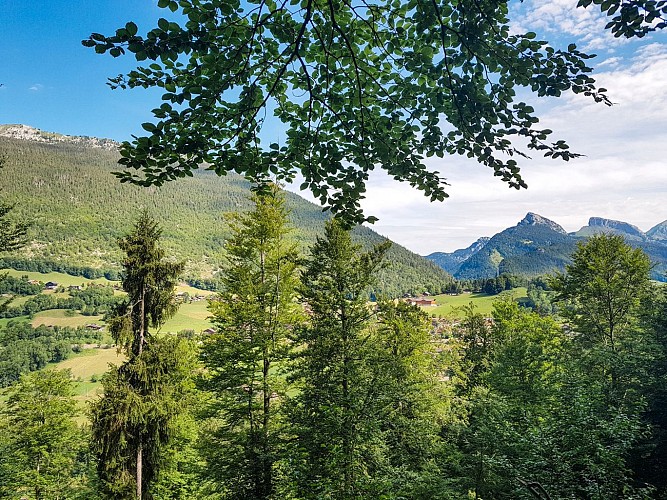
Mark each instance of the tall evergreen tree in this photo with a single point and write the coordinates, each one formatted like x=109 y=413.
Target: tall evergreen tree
x=253 y=316
x=134 y=420
x=338 y=430
x=12 y=233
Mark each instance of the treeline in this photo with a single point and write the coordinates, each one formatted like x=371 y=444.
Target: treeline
x=489 y=286
x=12 y=285
x=46 y=266
x=90 y=301
x=24 y=348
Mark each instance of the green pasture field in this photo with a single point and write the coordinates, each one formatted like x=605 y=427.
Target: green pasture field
x=90 y=362
x=4 y=321
x=192 y=316
x=189 y=316
x=19 y=301
x=451 y=305
x=182 y=287
x=60 y=278
x=60 y=317
x=83 y=366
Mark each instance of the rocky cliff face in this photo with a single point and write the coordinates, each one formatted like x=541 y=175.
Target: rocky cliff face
x=616 y=225
x=27 y=133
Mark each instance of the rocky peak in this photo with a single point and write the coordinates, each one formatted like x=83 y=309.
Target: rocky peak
x=533 y=219
x=27 y=133
x=616 y=225
x=479 y=244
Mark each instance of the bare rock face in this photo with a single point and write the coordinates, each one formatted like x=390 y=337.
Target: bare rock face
x=533 y=219
x=27 y=133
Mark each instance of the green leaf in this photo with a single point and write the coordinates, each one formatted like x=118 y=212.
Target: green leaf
x=131 y=28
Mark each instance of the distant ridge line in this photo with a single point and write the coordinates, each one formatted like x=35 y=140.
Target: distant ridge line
x=28 y=133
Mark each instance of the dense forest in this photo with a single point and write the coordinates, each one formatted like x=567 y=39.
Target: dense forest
x=307 y=390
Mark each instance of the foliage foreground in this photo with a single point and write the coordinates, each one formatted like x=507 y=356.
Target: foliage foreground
x=307 y=389
x=358 y=86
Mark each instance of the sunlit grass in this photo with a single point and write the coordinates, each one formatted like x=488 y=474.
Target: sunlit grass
x=451 y=305
x=63 y=317
x=192 y=316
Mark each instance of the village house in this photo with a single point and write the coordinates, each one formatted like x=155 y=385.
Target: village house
x=421 y=301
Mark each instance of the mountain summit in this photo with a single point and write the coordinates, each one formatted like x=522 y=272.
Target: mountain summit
x=602 y=225
x=533 y=219
x=451 y=262
x=658 y=232
x=537 y=245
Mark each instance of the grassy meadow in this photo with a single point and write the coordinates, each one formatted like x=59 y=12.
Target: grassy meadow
x=451 y=305
x=63 y=317
x=190 y=316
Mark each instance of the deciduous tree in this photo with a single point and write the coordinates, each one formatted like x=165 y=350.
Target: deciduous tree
x=39 y=440
x=601 y=296
x=375 y=82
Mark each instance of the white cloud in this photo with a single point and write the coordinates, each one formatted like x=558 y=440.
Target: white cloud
x=37 y=87
x=610 y=61
x=563 y=17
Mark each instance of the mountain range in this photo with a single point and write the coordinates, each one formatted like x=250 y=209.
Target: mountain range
x=537 y=245
x=63 y=185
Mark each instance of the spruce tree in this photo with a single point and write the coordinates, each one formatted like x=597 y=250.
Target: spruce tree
x=134 y=421
x=339 y=446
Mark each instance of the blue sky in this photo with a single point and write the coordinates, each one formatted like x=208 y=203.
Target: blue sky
x=50 y=81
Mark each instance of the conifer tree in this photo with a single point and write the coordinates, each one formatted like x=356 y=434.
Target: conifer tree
x=12 y=233
x=338 y=429
x=253 y=316
x=39 y=439
x=134 y=421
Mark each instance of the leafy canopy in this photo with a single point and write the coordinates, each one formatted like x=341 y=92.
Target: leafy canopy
x=359 y=85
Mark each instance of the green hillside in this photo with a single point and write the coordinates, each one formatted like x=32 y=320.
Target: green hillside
x=79 y=209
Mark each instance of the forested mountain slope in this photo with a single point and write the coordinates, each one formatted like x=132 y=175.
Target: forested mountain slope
x=78 y=210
